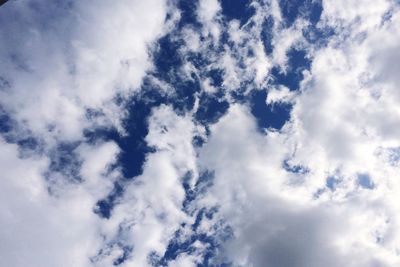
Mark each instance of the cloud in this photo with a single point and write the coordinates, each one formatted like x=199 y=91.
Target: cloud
x=214 y=188
x=207 y=13
x=47 y=230
x=150 y=211
x=275 y=215
x=61 y=59
x=292 y=218
x=62 y=67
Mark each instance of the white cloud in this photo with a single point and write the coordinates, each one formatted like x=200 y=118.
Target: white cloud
x=96 y=170
x=184 y=261
x=57 y=67
x=57 y=61
x=208 y=14
x=151 y=209
x=275 y=215
x=344 y=117
x=38 y=229
x=279 y=94
x=360 y=16
x=285 y=39
x=322 y=191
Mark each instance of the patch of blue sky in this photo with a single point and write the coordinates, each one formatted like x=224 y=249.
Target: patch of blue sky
x=298 y=169
x=277 y=115
x=65 y=160
x=167 y=58
x=210 y=109
x=239 y=9
x=332 y=182
x=267 y=34
x=188 y=10
x=168 y=62
x=298 y=62
x=105 y=206
x=132 y=144
x=269 y=115
x=6 y=123
x=216 y=77
x=394 y=155
x=365 y=181
x=291 y=10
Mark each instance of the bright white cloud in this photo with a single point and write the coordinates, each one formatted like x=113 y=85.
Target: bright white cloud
x=38 y=229
x=57 y=67
x=151 y=209
x=346 y=113
x=321 y=191
x=207 y=13
x=57 y=61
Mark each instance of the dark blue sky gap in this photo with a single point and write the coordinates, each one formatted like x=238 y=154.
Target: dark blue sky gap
x=365 y=181
x=267 y=34
x=188 y=10
x=310 y=10
x=6 y=123
x=237 y=9
x=269 y=116
x=291 y=78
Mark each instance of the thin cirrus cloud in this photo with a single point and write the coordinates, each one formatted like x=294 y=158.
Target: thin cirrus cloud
x=199 y=133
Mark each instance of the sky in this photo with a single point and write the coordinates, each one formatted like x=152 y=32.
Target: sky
x=184 y=133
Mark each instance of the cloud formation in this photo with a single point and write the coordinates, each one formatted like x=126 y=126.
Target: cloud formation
x=262 y=133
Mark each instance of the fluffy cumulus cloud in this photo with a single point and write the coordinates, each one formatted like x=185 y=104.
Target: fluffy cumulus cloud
x=61 y=59
x=199 y=133
x=42 y=229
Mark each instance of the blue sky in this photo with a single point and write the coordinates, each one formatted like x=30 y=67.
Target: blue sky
x=199 y=133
